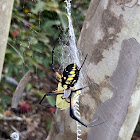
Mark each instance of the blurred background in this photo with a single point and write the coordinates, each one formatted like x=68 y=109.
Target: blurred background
x=36 y=27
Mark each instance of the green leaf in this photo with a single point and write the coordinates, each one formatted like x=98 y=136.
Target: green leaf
x=39 y=7
x=29 y=87
x=48 y=124
x=33 y=40
x=64 y=21
x=29 y=53
x=44 y=39
x=50 y=23
x=52 y=4
x=4 y=100
x=1 y=111
x=51 y=100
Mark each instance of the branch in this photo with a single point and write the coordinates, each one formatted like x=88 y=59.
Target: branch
x=14 y=118
x=10 y=80
x=20 y=88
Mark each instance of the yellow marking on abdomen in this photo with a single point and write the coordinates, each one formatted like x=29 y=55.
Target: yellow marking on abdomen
x=72 y=72
x=67 y=82
x=73 y=75
x=70 y=79
x=65 y=86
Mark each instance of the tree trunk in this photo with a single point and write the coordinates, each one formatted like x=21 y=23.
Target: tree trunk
x=110 y=36
x=5 y=18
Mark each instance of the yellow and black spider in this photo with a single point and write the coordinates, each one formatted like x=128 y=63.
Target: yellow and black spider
x=66 y=90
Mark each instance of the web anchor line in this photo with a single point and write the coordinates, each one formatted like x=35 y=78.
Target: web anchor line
x=74 y=54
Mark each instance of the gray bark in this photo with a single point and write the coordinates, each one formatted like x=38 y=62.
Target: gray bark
x=110 y=35
x=5 y=18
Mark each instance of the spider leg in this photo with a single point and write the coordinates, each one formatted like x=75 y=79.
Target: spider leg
x=55 y=93
x=53 y=60
x=57 y=80
x=56 y=73
x=65 y=100
x=78 y=89
x=59 y=75
x=72 y=112
x=74 y=116
x=83 y=62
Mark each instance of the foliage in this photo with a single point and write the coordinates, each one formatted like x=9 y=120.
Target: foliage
x=36 y=27
x=32 y=34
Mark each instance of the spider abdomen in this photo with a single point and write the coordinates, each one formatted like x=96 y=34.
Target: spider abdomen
x=70 y=76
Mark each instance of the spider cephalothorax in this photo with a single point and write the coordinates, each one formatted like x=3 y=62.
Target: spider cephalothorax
x=65 y=92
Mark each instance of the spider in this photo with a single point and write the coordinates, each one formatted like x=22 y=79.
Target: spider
x=65 y=92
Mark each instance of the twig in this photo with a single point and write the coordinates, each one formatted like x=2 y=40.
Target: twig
x=20 y=88
x=10 y=80
x=14 y=118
